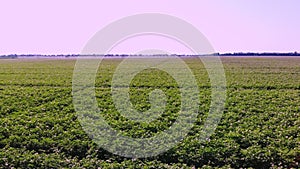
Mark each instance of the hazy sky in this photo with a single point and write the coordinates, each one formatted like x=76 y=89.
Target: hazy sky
x=64 y=26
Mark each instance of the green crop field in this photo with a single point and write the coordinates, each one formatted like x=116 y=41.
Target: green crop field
x=259 y=128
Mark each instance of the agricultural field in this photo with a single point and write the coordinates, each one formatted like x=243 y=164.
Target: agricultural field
x=259 y=128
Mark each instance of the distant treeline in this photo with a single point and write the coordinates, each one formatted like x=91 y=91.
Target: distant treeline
x=8 y=56
x=258 y=54
x=14 y=56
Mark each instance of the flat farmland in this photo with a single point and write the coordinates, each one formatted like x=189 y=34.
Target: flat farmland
x=259 y=127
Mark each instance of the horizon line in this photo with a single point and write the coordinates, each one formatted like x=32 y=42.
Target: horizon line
x=295 y=53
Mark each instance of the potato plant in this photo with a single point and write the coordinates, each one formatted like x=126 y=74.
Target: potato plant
x=259 y=128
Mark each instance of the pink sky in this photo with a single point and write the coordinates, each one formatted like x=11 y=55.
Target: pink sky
x=65 y=26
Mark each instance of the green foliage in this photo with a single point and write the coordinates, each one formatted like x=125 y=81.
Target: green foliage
x=259 y=128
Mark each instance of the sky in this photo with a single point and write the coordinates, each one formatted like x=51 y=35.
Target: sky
x=64 y=27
